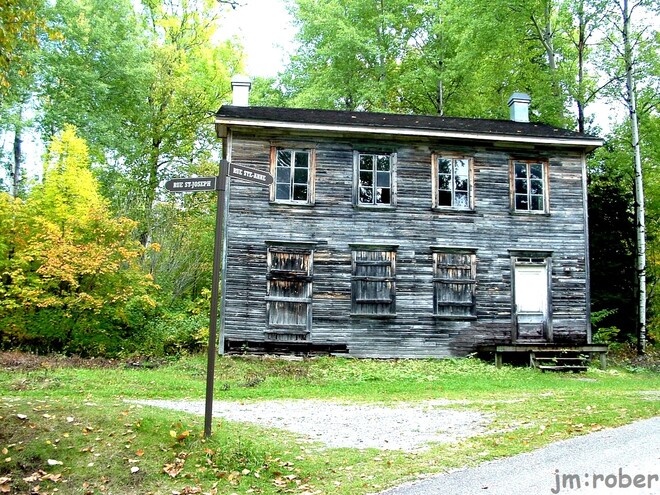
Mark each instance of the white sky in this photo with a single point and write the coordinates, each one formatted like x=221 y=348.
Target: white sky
x=265 y=30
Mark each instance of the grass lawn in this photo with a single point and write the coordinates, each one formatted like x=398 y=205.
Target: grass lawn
x=67 y=429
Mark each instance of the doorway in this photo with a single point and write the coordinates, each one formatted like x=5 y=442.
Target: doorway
x=531 y=300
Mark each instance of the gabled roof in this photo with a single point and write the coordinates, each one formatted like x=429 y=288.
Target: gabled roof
x=401 y=124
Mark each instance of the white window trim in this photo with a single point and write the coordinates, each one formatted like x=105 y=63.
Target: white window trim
x=546 y=187
x=435 y=184
x=311 y=176
x=356 y=180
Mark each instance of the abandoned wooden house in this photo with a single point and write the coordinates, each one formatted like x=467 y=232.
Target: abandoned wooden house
x=389 y=235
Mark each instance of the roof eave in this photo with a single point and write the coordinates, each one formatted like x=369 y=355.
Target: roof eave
x=588 y=143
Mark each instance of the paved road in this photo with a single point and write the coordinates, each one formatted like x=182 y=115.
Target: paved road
x=607 y=462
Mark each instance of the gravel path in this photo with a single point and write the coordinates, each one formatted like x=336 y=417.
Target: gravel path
x=400 y=427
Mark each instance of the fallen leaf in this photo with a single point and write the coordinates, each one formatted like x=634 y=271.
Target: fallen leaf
x=139 y=453
x=32 y=478
x=53 y=462
x=174 y=468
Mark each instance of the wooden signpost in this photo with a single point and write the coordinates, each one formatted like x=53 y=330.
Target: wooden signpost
x=196 y=184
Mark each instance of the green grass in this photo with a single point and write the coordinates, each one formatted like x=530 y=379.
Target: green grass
x=78 y=417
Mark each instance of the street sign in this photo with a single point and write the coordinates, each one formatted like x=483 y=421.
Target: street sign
x=250 y=174
x=191 y=184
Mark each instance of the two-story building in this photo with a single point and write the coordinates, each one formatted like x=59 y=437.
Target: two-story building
x=389 y=235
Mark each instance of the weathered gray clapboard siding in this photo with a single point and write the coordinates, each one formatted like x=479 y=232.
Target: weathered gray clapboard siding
x=334 y=223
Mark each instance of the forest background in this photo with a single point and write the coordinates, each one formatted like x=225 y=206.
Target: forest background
x=97 y=259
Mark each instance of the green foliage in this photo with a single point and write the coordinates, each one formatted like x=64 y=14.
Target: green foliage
x=68 y=267
x=402 y=56
x=20 y=22
x=171 y=333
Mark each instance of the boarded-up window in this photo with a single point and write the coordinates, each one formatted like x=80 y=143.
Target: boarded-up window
x=454 y=283
x=373 y=281
x=289 y=293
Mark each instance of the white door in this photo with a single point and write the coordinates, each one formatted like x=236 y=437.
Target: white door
x=531 y=302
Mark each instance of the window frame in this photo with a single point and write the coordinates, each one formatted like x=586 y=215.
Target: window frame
x=311 y=175
x=358 y=306
x=357 y=154
x=545 y=196
x=435 y=179
x=439 y=281
x=289 y=332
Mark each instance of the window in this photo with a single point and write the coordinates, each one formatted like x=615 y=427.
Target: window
x=454 y=280
x=293 y=176
x=289 y=292
x=529 y=186
x=373 y=281
x=452 y=187
x=375 y=179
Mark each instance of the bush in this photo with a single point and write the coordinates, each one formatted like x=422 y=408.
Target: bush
x=172 y=333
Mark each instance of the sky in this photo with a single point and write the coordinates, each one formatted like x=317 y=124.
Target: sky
x=264 y=27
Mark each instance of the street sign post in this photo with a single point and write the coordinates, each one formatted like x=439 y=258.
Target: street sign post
x=250 y=174
x=191 y=184
x=197 y=184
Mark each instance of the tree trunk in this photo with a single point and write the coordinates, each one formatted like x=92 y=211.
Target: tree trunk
x=640 y=210
x=18 y=159
x=581 y=47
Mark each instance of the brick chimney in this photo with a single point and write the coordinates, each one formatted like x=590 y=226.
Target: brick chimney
x=240 y=86
x=519 y=107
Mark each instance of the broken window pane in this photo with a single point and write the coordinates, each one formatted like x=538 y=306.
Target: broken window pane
x=383 y=196
x=366 y=195
x=284 y=158
x=300 y=193
x=461 y=200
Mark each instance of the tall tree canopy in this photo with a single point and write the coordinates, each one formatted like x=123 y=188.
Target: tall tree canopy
x=449 y=57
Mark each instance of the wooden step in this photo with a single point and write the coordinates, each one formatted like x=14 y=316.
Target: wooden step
x=558 y=361
x=569 y=359
x=571 y=368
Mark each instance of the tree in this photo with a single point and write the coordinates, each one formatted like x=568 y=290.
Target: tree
x=140 y=87
x=627 y=46
x=19 y=26
x=612 y=236
x=69 y=269
x=420 y=56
